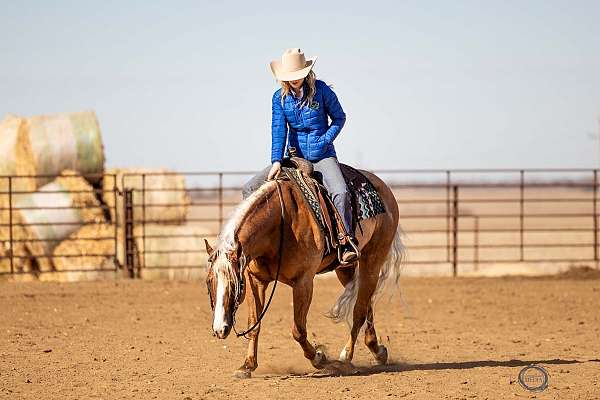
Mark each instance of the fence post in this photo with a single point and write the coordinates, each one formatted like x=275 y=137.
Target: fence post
x=129 y=244
x=521 y=214
x=455 y=231
x=448 y=216
x=220 y=200
x=116 y=221
x=143 y=225
x=476 y=242
x=595 y=215
x=10 y=226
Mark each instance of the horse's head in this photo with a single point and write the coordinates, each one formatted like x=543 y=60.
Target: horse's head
x=225 y=283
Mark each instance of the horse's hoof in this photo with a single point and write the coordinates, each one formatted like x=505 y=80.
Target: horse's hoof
x=320 y=360
x=343 y=356
x=382 y=355
x=242 y=374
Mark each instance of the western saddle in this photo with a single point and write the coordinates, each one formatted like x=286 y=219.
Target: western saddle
x=301 y=172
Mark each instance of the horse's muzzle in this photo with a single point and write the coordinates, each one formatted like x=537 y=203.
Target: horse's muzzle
x=223 y=331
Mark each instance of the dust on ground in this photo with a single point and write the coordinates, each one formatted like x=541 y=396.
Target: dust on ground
x=448 y=338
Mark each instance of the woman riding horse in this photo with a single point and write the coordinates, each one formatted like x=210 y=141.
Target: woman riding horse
x=273 y=235
x=301 y=108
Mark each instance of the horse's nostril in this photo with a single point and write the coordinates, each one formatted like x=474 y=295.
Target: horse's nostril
x=222 y=332
x=226 y=329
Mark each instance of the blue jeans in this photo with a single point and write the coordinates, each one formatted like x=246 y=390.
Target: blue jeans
x=333 y=180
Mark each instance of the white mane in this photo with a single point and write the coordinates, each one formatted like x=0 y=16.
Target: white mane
x=226 y=241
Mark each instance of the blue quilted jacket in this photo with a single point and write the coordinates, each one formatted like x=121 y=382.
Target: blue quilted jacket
x=307 y=128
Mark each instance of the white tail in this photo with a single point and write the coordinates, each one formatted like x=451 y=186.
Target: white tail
x=390 y=271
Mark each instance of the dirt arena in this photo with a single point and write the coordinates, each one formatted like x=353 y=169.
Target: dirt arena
x=447 y=339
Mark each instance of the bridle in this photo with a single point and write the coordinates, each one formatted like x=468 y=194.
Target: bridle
x=240 y=279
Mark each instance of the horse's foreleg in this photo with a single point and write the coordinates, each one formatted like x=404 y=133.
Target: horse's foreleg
x=255 y=299
x=302 y=294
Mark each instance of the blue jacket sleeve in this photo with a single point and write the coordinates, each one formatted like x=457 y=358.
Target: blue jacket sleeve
x=278 y=129
x=335 y=112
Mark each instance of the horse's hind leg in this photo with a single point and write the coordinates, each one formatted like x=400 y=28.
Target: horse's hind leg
x=367 y=282
x=378 y=351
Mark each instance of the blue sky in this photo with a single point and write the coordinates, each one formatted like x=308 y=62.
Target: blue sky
x=186 y=85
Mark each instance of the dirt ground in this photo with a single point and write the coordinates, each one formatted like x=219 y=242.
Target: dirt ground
x=463 y=338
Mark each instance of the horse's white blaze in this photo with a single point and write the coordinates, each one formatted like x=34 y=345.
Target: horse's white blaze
x=223 y=269
x=219 y=319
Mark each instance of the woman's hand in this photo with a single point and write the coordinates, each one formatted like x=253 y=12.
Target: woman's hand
x=275 y=168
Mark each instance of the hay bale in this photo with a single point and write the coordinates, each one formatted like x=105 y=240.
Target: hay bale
x=23 y=261
x=158 y=197
x=17 y=159
x=172 y=251
x=17 y=153
x=90 y=254
x=90 y=247
x=66 y=141
x=168 y=248
x=48 y=144
x=52 y=213
x=42 y=145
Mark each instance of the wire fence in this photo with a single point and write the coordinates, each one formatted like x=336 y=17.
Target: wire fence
x=135 y=223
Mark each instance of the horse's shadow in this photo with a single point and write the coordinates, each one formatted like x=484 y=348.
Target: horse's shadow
x=336 y=368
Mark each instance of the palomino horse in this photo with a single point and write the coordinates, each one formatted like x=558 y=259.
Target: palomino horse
x=272 y=233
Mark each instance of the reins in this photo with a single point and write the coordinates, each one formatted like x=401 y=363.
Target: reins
x=280 y=253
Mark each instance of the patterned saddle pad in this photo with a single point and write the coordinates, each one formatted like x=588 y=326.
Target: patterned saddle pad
x=366 y=201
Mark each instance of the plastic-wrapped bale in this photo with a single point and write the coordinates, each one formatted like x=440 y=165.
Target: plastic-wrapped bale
x=159 y=195
x=17 y=153
x=17 y=159
x=171 y=251
x=48 y=144
x=54 y=212
x=87 y=254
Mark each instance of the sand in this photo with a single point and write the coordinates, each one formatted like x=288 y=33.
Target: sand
x=450 y=339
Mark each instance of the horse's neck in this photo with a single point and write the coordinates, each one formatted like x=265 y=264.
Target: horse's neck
x=260 y=226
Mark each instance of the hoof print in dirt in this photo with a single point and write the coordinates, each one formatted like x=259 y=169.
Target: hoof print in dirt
x=341 y=368
x=242 y=374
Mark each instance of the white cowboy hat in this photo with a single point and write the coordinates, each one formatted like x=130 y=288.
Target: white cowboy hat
x=292 y=66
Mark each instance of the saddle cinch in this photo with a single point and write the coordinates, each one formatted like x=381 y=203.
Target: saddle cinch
x=364 y=198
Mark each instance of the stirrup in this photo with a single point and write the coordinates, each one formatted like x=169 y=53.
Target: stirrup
x=340 y=254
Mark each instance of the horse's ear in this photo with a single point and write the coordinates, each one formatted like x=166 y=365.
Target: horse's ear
x=209 y=250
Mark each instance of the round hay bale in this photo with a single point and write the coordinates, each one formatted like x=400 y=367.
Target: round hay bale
x=46 y=217
x=23 y=261
x=66 y=141
x=92 y=247
x=164 y=249
x=17 y=154
x=17 y=159
x=48 y=144
x=159 y=195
